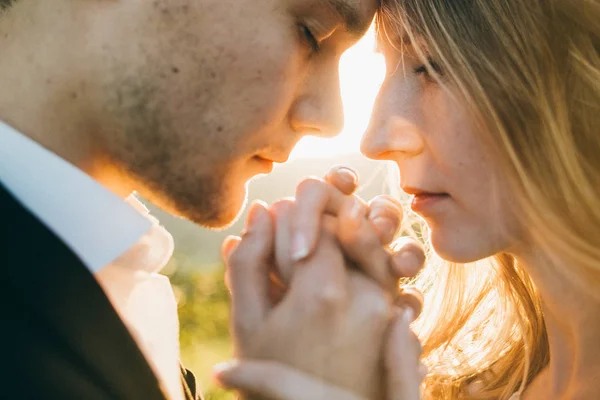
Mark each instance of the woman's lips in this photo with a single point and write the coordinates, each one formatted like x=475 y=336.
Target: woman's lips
x=426 y=203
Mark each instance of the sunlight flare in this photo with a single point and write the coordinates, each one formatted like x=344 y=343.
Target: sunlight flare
x=361 y=72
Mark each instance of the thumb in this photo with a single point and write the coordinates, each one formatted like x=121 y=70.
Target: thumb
x=270 y=380
x=402 y=353
x=247 y=273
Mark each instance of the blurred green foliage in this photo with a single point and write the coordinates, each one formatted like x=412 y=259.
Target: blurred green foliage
x=204 y=323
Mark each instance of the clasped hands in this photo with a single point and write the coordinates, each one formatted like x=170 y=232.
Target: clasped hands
x=316 y=307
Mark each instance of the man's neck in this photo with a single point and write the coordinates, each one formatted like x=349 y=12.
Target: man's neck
x=45 y=94
x=39 y=97
x=571 y=318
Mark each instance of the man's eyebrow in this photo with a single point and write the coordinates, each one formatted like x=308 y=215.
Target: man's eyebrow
x=350 y=13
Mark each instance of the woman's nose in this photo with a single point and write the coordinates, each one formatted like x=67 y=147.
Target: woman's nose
x=392 y=138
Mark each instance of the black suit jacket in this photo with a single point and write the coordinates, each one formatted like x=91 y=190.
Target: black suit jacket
x=60 y=337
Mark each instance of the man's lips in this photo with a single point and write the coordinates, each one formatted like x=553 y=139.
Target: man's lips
x=265 y=165
x=279 y=159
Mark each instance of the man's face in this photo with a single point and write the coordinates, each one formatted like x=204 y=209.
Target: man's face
x=205 y=94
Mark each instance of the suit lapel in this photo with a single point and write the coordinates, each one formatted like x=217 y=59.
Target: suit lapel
x=51 y=281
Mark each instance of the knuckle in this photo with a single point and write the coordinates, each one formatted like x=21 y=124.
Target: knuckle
x=240 y=256
x=386 y=205
x=408 y=244
x=385 y=223
x=282 y=208
x=413 y=297
x=360 y=239
x=310 y=185
x=329 y=225
x=229 y=245
x=414 y=247
x=284 y=203
x=416 y=343
x=236 y=257
x=378 y=307
x=330 y=298
x=386 y=201
x=241 y=328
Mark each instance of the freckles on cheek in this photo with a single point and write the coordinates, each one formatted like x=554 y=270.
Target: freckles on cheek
x=274 y=90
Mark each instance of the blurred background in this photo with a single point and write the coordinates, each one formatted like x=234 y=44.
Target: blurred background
x=196 y=269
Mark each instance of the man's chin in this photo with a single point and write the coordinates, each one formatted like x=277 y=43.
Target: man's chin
x=214 y=209
x=219 y=216
x=222 y=221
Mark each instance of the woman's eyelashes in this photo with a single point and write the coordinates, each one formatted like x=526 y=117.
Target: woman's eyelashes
x=428 y=70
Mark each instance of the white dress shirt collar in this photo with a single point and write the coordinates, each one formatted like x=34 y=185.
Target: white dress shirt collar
x=97 y=225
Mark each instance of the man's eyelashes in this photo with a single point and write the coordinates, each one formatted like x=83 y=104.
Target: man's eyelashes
x=310 y=38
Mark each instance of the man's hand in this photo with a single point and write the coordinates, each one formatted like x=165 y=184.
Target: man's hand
x=270 y=380
x=332 y=321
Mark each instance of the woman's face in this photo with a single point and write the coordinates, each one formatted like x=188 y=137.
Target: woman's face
x=425 y=129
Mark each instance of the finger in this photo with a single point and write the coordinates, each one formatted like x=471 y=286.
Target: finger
x=322 y=277
x=385 y=213
x=248 y=274
x=274 y=381
x=410 y=297
x=282 y=216
x=229 y=245
x=320 y=282
x=402 y=353
x=408 y=258
x=314 y=197
x=423 y=371
x=362 y=245
x=343 y=178
x=276 y=291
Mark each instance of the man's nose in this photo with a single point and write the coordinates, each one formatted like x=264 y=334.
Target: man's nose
x=318 y=111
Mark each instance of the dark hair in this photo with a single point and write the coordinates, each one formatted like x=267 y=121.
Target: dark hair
x=6 y=3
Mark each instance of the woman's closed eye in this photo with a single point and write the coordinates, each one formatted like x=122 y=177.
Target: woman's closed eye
x=426 y=69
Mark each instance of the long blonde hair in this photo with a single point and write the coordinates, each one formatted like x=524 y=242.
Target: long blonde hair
x=529 y=72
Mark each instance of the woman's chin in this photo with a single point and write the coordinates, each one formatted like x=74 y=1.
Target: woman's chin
x=455 y=249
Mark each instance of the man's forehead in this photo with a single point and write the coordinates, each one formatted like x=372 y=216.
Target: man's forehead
x=357 y=15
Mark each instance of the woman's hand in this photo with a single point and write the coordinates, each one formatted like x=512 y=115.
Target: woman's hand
x=363 y=230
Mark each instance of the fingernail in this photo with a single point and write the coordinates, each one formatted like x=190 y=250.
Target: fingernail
x=408 y=315
x=355 y=212
x=299 y=247
x=348 y=176
x=220 y=371
x=385 y=226
x=228 y=245
x=253 y=216
x=406 y=264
